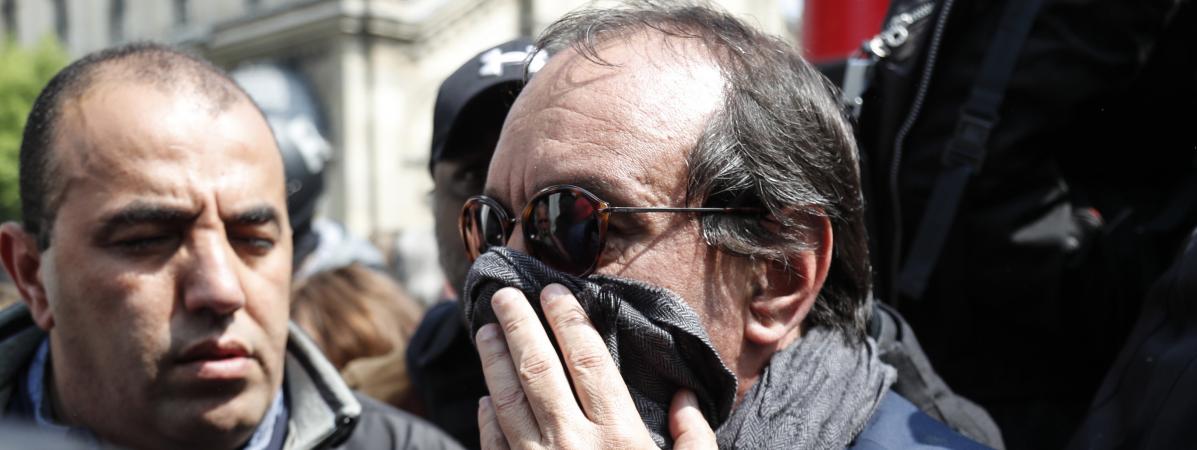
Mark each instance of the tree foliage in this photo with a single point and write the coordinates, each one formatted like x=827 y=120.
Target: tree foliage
x=23 y=73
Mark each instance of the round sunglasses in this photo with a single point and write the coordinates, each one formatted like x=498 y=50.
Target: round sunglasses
x=565 y=226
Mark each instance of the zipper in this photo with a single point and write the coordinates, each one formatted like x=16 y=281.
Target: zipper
x=920 y=96
x=897 y=32
x=859 y=68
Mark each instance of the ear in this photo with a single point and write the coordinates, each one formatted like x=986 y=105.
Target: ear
x=22 y=259
x=786 y=290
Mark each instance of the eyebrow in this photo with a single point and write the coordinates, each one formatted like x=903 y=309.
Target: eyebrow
x=601 y=187
x=138 y=213
x=257 y=215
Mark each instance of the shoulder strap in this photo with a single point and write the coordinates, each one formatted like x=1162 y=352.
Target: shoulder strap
x=898 y=424
x=966 y=150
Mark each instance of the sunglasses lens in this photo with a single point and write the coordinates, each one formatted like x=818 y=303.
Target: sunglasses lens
x=563 y=231
x=482 y=227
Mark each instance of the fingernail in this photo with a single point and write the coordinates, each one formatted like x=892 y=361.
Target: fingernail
x=501 y=297
x=488 y=332
x=484 y=402
x=689 y=398
x=554 y=291
x=502 y=300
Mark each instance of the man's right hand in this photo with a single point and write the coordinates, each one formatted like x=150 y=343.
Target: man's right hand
x=534 y=406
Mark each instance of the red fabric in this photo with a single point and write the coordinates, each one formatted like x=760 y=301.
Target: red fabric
x=834 y=29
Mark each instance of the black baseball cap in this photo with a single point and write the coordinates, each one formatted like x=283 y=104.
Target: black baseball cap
x=494 y=76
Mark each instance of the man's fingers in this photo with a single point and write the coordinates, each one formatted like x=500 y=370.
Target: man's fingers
x=544 y=382
x=687 y=426
x=490 y=435
x=597 y=382
x=507 y=396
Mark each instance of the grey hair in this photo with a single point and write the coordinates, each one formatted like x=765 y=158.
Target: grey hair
x=779 y=142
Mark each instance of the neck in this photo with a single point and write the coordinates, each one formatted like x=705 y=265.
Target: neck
x=56 y=411
x=64 y=403
x=754 y=358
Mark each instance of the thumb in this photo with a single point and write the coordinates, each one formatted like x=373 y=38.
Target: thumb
x=688 y=427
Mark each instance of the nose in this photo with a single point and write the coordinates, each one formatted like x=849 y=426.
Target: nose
x=516 y=241
x=210 y=281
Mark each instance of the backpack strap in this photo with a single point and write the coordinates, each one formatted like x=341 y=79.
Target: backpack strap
x=966 y=150
x=899 y=425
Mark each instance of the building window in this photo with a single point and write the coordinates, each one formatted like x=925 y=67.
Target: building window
x=8 y=12
x=62 y=23
x=116 y=20
x=180 y=12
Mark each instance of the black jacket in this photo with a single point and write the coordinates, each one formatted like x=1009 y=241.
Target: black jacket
x=1149 y=399
x=1085 y=193
x=446 y=371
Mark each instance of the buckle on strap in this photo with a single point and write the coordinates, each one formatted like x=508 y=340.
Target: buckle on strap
x=967 y=146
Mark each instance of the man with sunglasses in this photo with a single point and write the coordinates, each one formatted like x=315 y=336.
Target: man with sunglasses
x=671 y=241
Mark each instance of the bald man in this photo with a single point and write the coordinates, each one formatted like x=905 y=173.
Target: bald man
x=154 y=262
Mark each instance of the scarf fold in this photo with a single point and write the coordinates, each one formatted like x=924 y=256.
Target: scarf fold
x=817 y=393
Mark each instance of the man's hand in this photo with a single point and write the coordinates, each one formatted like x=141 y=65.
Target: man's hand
x=531 y=405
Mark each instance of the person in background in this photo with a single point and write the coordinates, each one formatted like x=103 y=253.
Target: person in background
x=362 y=321
x=296 y=119
x=154 y=265
x=359 y=317
x=470 y=108
x=1023 y=194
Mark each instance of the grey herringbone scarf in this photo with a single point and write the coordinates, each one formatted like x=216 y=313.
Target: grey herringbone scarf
x=818 y=393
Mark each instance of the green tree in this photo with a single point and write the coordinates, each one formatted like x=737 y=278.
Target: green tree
x=23 y=73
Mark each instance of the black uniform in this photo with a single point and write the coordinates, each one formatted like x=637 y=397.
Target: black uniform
x=1082 y=198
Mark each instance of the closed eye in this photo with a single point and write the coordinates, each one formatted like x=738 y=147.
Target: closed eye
x=148 y=244
x=252 y=244
x=626 y=225
x=254 y=231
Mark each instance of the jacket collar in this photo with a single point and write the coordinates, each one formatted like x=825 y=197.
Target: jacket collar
x=19 y=338
x=323 y=409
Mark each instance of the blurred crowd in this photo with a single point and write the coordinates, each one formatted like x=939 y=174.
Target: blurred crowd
x=752 y=243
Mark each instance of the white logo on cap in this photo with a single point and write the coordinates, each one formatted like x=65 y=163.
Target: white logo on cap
x=493 y=61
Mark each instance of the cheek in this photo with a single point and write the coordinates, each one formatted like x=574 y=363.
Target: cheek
x=113 y=321
x=268 y=304
x=715 y=285
x=447 y=211
x=679 y=260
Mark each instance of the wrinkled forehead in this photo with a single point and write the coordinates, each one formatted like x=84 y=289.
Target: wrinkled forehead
x=646 y=76
x=634 y=115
